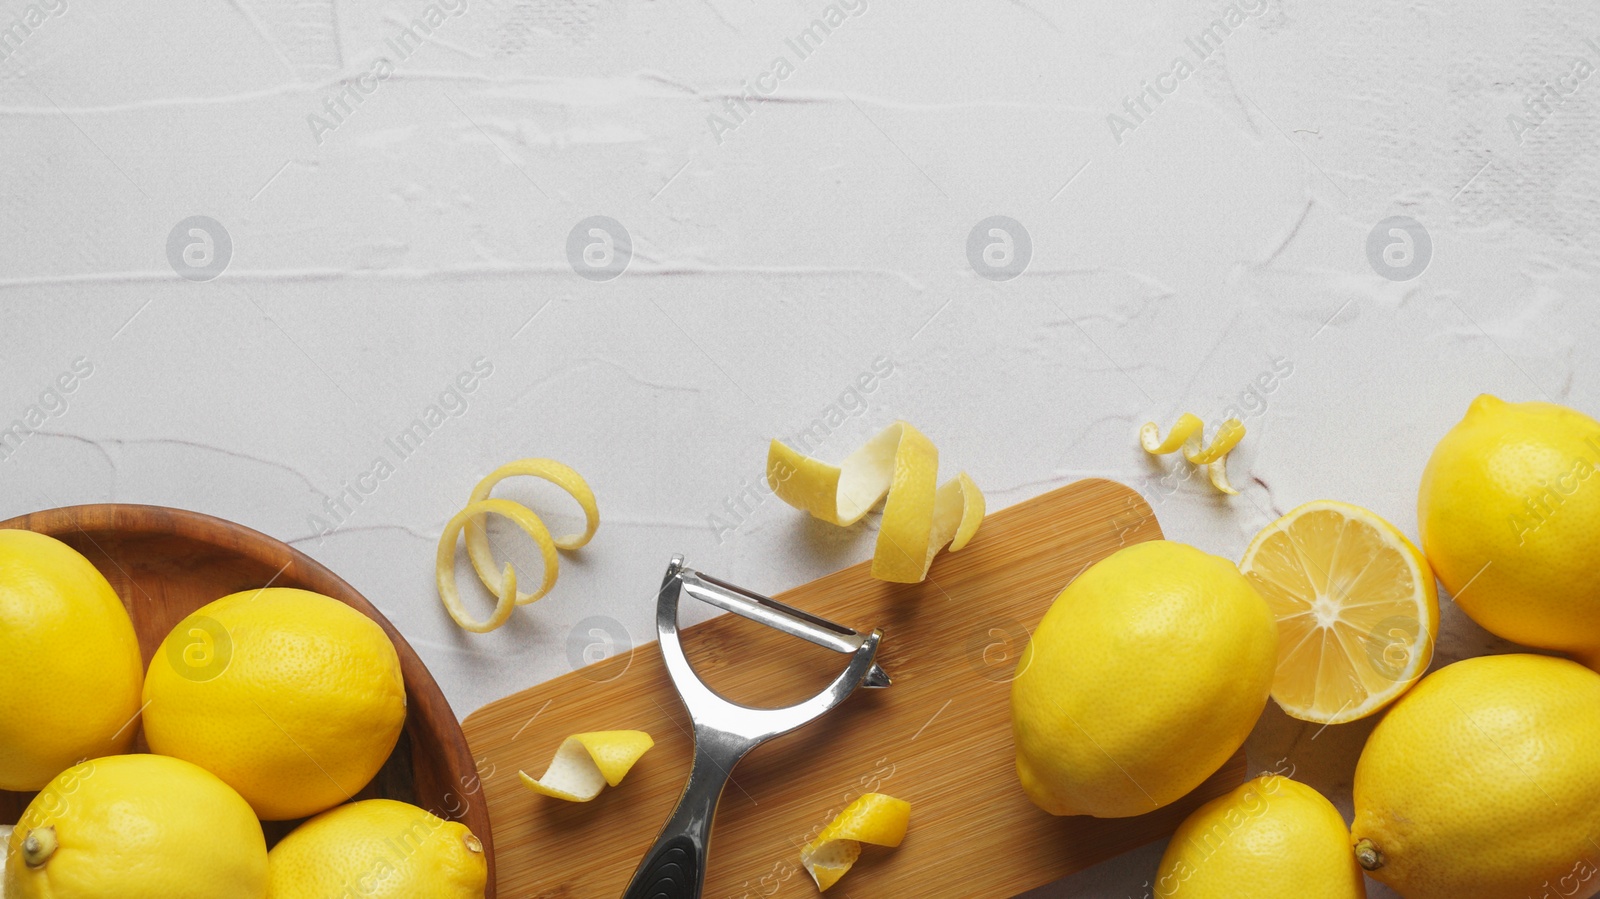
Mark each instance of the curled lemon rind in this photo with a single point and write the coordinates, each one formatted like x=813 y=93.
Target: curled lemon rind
x=898 y=466
x=503 y=582
x=505 y=587
x=875 y=818
x=1188 y=424
x=1187 y=435
x=554 y=472
x=586 y=763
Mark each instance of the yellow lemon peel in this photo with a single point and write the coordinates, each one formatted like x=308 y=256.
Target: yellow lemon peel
x=1187 y=434
x=875 y=818
x=503 y=583
x=586 y=763
x=898 y=463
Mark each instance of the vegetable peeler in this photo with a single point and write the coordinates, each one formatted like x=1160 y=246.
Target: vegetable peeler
x=724 y=731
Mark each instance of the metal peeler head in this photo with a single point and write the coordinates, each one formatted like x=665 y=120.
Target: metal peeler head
x=724 y=730
x=768 y=611
x=703 y=702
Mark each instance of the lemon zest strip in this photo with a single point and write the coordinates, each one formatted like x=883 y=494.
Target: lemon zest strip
x=1187 y=434
x=503 y=583
x=585 y=763
x=875 y=818
x=554 y=472
x=898 y=466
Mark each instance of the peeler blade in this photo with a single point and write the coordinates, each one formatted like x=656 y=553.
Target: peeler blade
x=778 y=615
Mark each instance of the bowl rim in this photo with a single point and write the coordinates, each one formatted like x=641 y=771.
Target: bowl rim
x=434 y=714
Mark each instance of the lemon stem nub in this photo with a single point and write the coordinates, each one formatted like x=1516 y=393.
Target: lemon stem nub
x=474 y=845
x=1369 y=855
x=39 y=845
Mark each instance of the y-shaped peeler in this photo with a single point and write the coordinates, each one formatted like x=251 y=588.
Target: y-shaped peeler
x=725 y=731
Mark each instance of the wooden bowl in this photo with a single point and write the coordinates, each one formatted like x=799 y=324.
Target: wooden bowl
x=165 y=563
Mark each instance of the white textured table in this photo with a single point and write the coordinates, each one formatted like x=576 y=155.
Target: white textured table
x=1200 y=215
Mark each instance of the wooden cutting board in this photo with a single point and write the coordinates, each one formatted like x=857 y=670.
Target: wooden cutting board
x=940 y=737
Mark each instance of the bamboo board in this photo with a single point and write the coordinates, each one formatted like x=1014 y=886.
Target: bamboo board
x=940 y=737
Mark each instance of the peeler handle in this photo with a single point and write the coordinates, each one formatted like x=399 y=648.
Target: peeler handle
x=673 y=870
x=675 y=867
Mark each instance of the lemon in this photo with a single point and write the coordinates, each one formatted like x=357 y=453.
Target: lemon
x=1483 y=782
x=1146 y=674
x=1356 y=606
x=378 y=849
x=136 y=827
x=71 y=660
x=1269 y=838
x=1509 y=513
x=291 y=697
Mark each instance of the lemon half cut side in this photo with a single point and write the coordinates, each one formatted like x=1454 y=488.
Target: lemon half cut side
x=1356 y=606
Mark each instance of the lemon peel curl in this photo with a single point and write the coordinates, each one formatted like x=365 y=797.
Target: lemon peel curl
x=1187 y=435
x=901 y=464
x=875 y=818
x=503 y=582
x=586 y=763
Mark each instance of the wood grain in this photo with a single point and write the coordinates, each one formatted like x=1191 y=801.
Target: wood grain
x=940 y=737
x=165 y=563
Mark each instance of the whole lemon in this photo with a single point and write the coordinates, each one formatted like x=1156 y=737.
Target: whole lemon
x=1509 y=512
x=1146 y=674
x=291 y=697
x=137 y=827
x=71 y=660
x=1483 y=783
x=381 y=849
x=1270 y=838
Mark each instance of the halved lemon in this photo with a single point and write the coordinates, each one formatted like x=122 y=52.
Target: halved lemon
x=1356 y=606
